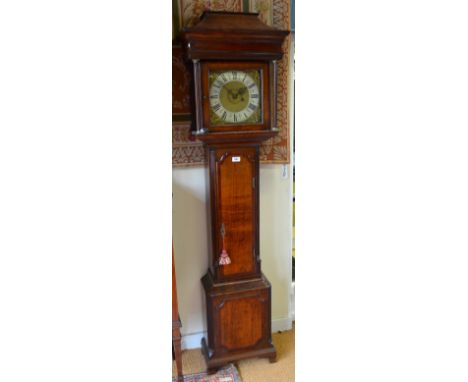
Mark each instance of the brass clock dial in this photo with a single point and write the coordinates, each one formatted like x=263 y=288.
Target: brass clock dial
x=235 y=97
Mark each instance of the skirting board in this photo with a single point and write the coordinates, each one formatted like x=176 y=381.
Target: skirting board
x=193 y=341
x=293 y=300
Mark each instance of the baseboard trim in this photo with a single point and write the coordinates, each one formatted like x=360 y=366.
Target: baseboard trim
x=193 y=341
x=293 y=300
x=281 y=324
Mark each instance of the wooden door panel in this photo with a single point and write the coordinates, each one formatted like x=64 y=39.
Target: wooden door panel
x=242 y=322
x=236 y=195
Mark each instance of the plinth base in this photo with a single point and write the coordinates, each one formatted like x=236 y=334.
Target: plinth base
x=215 y=362
x=239 y=321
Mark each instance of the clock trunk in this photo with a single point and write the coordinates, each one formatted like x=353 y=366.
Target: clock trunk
x=234 y=200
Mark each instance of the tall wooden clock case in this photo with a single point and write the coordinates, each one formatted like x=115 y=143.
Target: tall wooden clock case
x=234 y=59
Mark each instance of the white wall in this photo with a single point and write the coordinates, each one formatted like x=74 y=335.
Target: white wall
x=190 y=244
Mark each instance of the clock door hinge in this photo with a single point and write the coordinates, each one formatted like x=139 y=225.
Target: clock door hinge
x=253 y=182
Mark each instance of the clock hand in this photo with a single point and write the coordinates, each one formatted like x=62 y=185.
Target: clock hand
x=241 y=92
x=231 y=94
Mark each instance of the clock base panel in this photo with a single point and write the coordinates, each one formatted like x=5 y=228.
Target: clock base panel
x=239 y=321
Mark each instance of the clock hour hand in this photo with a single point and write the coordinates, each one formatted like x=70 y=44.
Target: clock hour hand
x=241 y=92
x=231 y=93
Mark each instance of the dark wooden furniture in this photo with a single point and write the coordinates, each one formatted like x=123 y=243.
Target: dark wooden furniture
x=234 y=59
x=176 y=324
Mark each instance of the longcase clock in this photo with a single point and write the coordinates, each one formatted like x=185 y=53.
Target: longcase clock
x=234 y=59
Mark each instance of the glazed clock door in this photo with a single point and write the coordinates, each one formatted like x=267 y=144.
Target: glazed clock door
x=236 y=212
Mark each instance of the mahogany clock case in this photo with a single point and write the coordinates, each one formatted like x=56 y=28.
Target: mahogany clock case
x=238 y=295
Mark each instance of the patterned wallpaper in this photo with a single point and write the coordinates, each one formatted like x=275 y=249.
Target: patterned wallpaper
x=186 y=151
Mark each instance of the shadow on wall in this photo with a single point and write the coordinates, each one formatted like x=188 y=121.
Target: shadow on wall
x=189 y=232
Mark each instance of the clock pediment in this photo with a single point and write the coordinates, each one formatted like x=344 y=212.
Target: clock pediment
x=227 y=35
